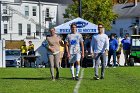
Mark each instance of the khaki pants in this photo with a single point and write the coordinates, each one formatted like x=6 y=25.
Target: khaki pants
x=54 y=62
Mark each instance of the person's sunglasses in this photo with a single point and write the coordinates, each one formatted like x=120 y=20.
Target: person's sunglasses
x=100 y=27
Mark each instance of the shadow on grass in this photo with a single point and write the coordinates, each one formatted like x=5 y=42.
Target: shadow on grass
x=65 y=78
x=18 y=78
x=70 y=78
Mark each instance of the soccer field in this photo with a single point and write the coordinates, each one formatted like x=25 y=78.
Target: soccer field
x=37 y=80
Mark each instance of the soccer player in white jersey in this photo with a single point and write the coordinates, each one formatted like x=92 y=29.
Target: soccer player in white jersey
x=74 y=54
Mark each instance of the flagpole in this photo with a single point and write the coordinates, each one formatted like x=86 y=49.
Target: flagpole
x=80 y=9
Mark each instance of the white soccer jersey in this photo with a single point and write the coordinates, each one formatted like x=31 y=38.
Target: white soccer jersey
x=74 y=42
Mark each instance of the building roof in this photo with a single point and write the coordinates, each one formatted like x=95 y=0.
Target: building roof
x=127 y=10
x=54 y=1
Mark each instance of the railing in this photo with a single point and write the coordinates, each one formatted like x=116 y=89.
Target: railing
x=17 y=36
x=14 y=11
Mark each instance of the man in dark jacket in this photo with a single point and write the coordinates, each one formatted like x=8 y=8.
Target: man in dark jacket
x=113 y=45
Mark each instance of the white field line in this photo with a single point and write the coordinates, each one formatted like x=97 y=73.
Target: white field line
x=79 y=82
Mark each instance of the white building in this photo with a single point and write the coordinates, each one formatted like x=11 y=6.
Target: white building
x=30 y=18
x=128 y=20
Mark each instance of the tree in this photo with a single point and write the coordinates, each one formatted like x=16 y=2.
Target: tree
x=95 y=11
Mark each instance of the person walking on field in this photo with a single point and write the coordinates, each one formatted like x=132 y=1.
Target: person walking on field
x=73 y=42
x=53 y=52
x=99 y=50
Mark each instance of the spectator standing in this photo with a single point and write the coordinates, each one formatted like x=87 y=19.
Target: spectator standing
x=87 y=41
x=87 y=44
x=61 y=53
x=65 y=58
x=99 y=49
x=23 y=50
x=113 y=46
x=31 y=46
x=126 y=48
x=118 y=52
x=31 y=53
x=73 y=42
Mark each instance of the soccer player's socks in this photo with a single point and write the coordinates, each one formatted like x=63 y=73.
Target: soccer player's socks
x=72 y=71
x=77 y=69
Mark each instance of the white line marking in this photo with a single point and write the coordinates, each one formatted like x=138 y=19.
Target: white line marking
x=79 y=82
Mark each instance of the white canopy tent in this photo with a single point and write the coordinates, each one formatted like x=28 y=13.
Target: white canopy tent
x=83 y=26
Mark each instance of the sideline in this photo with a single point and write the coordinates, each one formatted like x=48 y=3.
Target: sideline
x=79 y=82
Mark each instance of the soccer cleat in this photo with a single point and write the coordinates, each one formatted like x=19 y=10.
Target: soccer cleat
x=53 y=79
x=114 y=66
x=73 y=78
x=57 y=75
x=101 y=77
x=60 y=67
x=96 y=77
x=77 y=78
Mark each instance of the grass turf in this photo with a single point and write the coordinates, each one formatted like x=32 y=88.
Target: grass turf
x=37 y=80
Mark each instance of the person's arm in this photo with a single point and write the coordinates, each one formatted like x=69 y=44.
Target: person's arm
x=122 y=41
x=67 y=47
x=116 y=44
x=130 y=43
x=82 y=46
x=49 y=47
x=107 y=45
x=62 y=43
x=92 y=45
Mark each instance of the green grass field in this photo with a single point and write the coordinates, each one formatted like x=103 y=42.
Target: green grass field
x=37 y=80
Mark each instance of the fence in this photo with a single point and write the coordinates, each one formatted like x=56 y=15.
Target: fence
x=22 y=36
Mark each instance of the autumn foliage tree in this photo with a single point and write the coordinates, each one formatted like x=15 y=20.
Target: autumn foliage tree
x=95 y=11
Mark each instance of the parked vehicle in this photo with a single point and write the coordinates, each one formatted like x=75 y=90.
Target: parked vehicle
x=135 y=50
x=13 y=58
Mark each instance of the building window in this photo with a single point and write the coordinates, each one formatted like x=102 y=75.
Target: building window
x=28 y=29
x=5 y=29
x=26 y=10
x=47 y=12
x=20 y=29
x=37 y=30
x=4 y=9
x=34 y=10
